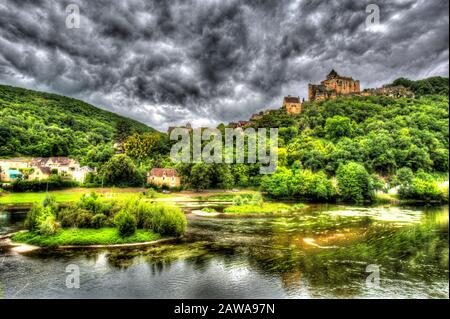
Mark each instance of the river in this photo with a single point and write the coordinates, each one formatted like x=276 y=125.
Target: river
x=323 y=251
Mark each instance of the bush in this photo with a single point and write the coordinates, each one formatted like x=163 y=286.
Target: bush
x=40 y=212
x=313 y=186
x=99 y=221
x=151 y=193
x=121 y=171
x=167 y=220
x=257 y=199
x=125 y=223
x=49 y=226
x=54 y=182
x=239 y=200
x=302 y=184
x=423 y=189
x=31 y=221
x=354 y=183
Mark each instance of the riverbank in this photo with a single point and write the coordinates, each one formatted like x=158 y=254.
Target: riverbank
x=73 y=194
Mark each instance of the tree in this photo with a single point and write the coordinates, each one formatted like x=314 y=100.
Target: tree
x=123 y=130
x=339 y=126
x=354 y=183
x=199 y=177
x=121 y=171
x=145 y=146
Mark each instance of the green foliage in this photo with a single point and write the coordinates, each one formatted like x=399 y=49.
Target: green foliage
x=121 y=171
x=239 y=200
x=354 y=183
x=405 y=175
x=266 y=208
x=300 y=184
x=167 y=220
x=98 y=221
x=49 y=226
x=146 y=145
x=41 y=217
x=42 y=124
x=257 y=199
x=422 y=187
x=160 y=218
x=89 y=211
x=54 y=182
x=433 y=85
x=125 y=223
x=151 y=193
x=381 y=133
x=338 y=126
x=84 y=236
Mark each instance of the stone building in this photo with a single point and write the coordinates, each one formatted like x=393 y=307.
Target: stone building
x=333 y=86
x=292 y=104
x=390 y=91
x=188 y=126
x=163 y=177
x=39 y=168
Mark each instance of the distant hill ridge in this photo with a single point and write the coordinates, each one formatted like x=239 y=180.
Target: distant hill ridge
x=34 y=123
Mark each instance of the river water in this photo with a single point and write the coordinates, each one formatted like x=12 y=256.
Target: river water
x=323 y=251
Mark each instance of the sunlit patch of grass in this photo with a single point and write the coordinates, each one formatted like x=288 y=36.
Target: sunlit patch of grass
x=265 y=208
x=84 y=236
x=73 y=195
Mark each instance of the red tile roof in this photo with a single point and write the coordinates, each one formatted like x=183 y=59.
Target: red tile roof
x=291 y=99
x=160 y=172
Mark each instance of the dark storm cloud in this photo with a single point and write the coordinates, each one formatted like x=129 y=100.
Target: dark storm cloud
x=168 y=62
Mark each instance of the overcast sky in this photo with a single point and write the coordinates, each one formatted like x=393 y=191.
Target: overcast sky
x=210 y=61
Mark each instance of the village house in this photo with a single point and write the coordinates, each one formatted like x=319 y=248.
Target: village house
x=292 y=104
x=163 y=177
x=39 y=168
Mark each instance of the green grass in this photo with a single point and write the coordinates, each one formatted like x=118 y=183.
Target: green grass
x=71 y=195
x=226 y=196
x=266 y=208
x=84 y=236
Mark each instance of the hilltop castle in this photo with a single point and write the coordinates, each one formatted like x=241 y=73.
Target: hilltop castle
x=333 y=86
x=336 y=85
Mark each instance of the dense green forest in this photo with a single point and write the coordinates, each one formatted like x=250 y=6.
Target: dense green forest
x=42 y=124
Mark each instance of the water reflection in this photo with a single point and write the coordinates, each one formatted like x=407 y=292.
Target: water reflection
x=322 y=251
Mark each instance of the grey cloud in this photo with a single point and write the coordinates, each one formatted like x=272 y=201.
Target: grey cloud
x=168 y=62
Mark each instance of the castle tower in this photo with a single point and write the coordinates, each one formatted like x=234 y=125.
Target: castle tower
x=292 y=104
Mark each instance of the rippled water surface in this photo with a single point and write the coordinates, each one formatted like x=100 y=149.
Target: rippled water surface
x=323 y=251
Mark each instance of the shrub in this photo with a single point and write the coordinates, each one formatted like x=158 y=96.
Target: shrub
x=40 y=212
x=404 y=176
x=167 y=220
x=99 y=221
x=31 y=221
x=314 y=186
x=151 y=193
x=83 y=218
x=257 y=199
x=354 y=183
x=121 y=171
x=125 y=223
x=49 y=226
x=239 y=200
x=421 y=189
x=54 y=182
